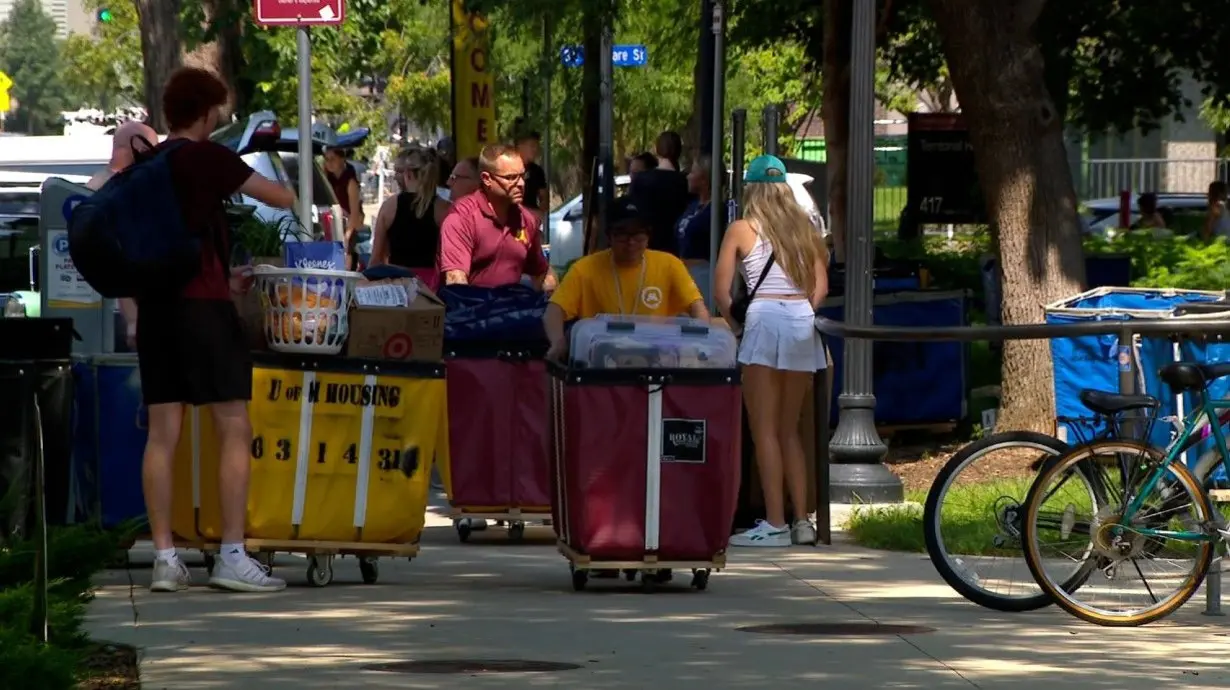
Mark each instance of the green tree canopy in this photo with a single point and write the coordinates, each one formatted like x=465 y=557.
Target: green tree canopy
x=105 y=66
x=30 y=55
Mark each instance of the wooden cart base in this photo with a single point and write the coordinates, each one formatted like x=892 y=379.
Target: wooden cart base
x=653 y=572
x=515 y=518
x=320 y=555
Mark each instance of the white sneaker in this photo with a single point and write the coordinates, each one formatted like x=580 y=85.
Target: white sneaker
x=170 y=576
x=248 y=575
x=763 y=534
x=803 y=533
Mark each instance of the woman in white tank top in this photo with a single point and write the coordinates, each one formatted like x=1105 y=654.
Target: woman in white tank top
x=780 y=349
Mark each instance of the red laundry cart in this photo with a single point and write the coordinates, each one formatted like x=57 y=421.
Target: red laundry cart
x=645 y=470
x=499 y=419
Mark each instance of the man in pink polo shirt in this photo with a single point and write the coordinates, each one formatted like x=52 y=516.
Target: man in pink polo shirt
x=489 y=239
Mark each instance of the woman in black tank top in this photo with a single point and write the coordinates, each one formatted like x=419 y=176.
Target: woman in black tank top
x=407 y=230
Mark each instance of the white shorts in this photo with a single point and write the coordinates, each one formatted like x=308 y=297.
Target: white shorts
x=781 y=334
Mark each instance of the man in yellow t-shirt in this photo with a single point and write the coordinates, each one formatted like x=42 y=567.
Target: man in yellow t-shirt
x=628 y=279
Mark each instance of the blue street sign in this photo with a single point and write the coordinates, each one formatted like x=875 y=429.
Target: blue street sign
x=621 y=56
x=630 y=56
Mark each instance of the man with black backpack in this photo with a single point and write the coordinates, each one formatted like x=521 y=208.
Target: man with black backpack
x=191 y=347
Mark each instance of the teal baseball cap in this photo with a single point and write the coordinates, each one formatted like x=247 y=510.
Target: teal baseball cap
x=765 y=168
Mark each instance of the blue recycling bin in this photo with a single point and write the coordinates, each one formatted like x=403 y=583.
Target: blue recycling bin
x=1095 y=361
x=915 y=383
x=109 y=439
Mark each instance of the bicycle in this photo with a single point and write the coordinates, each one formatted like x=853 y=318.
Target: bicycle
x=988 y=579
x=1145 y=489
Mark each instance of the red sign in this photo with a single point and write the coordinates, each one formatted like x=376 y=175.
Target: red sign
x=299 y=12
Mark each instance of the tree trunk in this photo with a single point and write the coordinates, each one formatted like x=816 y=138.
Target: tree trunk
x=998 y=73
x=160 y=51
x=835 y=110
x=223 y=56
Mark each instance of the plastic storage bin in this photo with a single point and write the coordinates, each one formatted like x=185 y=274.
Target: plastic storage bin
x=646 y=459
x=646 y=342
x=341 y=454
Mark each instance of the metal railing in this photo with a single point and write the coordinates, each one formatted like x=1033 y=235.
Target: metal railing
x=1195 y=326
x=1102 y=178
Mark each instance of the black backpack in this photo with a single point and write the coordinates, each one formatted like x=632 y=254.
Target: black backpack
x=130 y=239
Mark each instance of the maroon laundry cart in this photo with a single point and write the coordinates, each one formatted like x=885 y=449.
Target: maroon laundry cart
x=646 y=463
x=498 y=427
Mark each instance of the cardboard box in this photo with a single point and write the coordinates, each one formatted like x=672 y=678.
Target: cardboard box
x=410 y=333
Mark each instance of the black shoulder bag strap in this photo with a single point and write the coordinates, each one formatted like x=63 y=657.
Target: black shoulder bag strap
x=763 y=274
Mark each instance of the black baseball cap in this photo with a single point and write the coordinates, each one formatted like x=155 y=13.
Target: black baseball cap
x=628 y=218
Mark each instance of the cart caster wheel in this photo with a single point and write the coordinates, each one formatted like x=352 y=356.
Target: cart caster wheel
x=630 y=575
x=580 y=578
x=463 y=531
x=369 y=568
x=210 y=562
x=663 y=576
x=319 y=572
x=649 y=582
x=516 y=531
x=700 y=579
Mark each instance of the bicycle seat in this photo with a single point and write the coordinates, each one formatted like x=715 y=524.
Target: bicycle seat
x=1188 y=376
x=1114 y=403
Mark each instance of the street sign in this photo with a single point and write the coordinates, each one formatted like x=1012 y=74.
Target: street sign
x=621 y=56
x=629 y=56
x=299 y=12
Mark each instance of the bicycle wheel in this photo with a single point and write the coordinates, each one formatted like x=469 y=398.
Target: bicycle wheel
x=1056 y=520
x=972 y=520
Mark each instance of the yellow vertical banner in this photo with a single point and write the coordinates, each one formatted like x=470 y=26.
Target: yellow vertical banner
x=474 y=123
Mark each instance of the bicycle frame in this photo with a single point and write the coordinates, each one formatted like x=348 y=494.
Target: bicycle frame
x=1207 y=412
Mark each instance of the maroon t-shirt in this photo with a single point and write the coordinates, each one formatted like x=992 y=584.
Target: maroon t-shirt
x=491 y=251
x=205 y=175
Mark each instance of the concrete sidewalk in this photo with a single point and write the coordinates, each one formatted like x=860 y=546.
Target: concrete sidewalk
x=493 y=600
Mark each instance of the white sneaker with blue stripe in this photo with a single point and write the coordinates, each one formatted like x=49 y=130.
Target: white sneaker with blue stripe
x=763 y=534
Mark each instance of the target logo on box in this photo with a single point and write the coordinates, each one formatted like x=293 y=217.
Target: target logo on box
x=398 y=346
x=409 y=331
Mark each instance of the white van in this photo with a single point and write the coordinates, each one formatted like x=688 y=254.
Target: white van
x=59 y=156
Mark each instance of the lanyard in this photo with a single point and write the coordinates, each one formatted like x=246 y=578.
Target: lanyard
x=619 y=291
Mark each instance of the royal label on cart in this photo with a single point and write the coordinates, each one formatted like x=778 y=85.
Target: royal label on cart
x=683 y=440
x=334 y=456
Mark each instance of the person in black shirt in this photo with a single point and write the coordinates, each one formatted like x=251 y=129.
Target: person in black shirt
x=536 y=194
x=663 y=193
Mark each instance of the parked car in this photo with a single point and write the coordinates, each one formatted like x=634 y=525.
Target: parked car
x=19 y=255
x=566 y=233
x=272 y=152
x=1182 y=212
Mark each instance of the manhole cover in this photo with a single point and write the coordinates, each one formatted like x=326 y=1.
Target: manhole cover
x=472 y=666
x=836 y=629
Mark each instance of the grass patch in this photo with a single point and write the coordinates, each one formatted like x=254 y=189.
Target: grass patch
x=967 y=522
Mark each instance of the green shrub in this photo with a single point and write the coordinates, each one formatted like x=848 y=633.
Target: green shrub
x=1182 y=262
x=74 y=554
x=24 y=663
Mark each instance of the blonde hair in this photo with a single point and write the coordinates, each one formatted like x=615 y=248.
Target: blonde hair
x=773 y=212
x=425 y=164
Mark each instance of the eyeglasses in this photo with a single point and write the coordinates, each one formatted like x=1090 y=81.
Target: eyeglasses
x=454 y=177
x=512 y=179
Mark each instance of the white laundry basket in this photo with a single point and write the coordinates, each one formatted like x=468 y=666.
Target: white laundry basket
x=306 y=309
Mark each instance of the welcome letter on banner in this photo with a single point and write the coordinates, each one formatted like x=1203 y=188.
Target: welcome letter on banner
x=474 y=123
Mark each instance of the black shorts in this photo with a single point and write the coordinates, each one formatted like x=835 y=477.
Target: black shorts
x=192 y=351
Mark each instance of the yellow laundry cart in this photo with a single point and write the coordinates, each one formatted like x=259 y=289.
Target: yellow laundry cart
x=340 y=459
